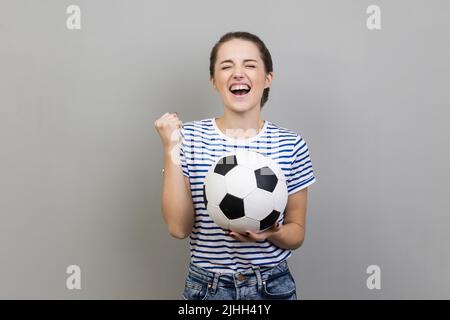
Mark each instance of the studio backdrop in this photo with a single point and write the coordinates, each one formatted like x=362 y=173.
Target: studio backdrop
x=366 y=83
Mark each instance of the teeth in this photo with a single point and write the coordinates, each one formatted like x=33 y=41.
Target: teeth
x=240 y=87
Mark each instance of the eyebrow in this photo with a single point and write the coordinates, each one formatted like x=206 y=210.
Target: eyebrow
x=245 y=60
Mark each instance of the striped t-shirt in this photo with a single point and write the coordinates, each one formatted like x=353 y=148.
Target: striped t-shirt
x=202 y=144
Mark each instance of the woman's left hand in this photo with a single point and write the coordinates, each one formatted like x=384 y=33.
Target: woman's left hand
x=251 y=236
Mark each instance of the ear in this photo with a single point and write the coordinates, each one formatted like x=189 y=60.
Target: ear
x=213 y=83
x=269 y=78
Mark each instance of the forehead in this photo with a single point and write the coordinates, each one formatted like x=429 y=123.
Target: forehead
x=238 y=49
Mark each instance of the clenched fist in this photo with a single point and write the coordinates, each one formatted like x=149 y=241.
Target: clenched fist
x=168 y=126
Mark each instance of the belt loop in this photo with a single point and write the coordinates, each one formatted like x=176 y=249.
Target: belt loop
x=257 y=271
x=215 y=282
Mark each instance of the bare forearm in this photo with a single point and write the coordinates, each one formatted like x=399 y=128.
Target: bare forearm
x=290 y=236
x=177 y=206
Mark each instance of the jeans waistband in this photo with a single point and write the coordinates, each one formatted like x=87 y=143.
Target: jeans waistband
x=256 y=275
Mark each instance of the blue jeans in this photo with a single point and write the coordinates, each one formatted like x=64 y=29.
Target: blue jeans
x=262 y=283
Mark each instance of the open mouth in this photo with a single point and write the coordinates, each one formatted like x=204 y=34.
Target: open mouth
x=240 y=90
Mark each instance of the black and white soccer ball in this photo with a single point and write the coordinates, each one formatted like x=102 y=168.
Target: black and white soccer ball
x=245 y=190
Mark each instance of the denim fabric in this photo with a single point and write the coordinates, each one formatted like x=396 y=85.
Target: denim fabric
x=262 y=283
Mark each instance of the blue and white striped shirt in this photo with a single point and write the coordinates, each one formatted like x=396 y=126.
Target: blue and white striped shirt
x=202 y=144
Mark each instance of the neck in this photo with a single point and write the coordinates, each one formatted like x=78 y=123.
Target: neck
x=240 y=127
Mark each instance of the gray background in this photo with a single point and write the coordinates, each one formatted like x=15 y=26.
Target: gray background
x=80 y=160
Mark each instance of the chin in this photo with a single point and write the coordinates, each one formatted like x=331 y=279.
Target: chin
x=241 y=106
x=240 y=109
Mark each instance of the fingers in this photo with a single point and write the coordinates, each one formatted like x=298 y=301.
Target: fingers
x=172 y=114
x=169 y=114
x=242 y=237
x=252 y=236
x=171 y=117
x=238 y=236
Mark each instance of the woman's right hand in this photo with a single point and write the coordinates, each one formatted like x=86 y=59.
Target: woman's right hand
x=168 y=126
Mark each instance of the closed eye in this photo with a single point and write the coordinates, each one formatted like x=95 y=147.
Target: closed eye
x=247 y=67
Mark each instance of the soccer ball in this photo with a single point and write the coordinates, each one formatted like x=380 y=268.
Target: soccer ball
x=245 y=190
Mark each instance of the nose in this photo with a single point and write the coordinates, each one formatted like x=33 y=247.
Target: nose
x=237 y=73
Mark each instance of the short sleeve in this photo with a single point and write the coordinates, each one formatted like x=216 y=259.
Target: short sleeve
x=301 y=174
x=183 y=147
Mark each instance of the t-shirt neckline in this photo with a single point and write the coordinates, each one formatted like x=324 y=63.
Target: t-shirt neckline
x=223 y=135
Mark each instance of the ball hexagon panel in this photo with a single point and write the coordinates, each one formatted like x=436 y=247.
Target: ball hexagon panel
x=277 y=170
x=266 y=179
x=273 y=165
x=218 y=217
x=280 y=196
x=232 y=207
x=240 y=181
x=276 y=167
x=250 y=159
x=218 y=188
x=245 y=223
x=258 y=204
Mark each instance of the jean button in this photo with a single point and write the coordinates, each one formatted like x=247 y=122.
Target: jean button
x=240 y=276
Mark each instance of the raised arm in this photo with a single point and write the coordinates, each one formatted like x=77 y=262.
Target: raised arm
x=176 y=202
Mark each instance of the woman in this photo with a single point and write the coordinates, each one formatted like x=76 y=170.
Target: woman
x=224 y=264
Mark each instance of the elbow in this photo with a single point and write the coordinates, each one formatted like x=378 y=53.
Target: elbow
x=298 y=244
x=178 y=234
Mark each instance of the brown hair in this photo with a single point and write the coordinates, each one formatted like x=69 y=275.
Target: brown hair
x=264 y=52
